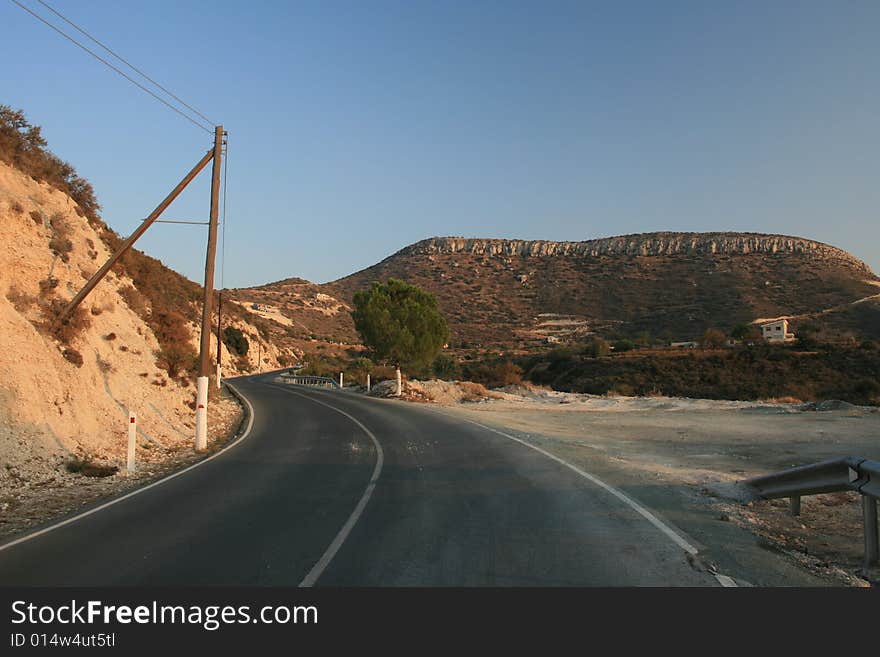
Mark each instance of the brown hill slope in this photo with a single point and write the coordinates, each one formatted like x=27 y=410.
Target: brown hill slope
x=673 y=285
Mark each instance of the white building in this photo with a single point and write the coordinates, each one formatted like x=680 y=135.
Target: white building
x=776 y=331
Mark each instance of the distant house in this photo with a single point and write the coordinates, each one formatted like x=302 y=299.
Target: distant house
x=776 y=331
x=683 y=345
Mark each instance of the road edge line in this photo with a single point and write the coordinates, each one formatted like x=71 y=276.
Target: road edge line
x=666 y=529
x=321 y=565
x=138 y=491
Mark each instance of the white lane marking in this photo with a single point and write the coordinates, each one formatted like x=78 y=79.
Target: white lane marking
x=676 y=538
x=726 y=581
x=650 y=517
x=138 y=491
x=331 y=551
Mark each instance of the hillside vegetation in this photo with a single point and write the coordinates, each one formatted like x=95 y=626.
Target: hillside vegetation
x=673 y=285
x=763 y=371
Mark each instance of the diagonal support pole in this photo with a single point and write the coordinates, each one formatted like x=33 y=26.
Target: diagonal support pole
x=126 y=245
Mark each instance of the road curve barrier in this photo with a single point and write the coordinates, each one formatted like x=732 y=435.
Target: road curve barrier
x=314 y=381
x=850 y=473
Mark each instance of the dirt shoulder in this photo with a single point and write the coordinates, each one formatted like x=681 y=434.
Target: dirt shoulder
x=683 y=459
x=30 y=497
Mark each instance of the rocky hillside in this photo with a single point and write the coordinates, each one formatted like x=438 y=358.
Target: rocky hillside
x=672 y=285
x=65 y=394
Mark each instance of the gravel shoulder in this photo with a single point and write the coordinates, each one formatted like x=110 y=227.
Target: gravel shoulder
x=683 y=458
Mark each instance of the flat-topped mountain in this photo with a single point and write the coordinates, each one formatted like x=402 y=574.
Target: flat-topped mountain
x=642 y=244
x=673 y=285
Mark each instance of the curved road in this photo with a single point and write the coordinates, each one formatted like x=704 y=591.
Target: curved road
x=335 y=489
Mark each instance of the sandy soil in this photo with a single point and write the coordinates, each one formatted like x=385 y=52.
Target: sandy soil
x=697 y=450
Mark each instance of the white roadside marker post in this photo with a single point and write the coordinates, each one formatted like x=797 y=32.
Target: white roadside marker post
x=340 y=379
x=368 y=383
x=219 y=376
x=399 y=382
x=202 y=414
x=132 y=438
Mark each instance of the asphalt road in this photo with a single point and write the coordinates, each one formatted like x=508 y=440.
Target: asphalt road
x=334 y=489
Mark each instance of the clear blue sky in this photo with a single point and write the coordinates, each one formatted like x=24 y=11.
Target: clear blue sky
x=357 y=128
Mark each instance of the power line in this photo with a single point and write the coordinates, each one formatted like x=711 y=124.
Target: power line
x=125 y=61
x=223 y=234
x=106 y=63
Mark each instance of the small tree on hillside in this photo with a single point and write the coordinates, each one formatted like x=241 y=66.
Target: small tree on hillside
x=400 y=322
x=235 y=341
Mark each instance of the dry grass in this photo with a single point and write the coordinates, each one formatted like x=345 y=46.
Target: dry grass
x=473 y=392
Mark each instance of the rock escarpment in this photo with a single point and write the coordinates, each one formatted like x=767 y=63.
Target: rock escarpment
x=644 y=244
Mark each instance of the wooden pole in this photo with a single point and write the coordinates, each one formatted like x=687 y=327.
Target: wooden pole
x=205 y=350
x=205 y=345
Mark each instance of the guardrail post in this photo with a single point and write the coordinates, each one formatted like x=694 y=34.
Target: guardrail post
x=795 y=505
x=869 y=511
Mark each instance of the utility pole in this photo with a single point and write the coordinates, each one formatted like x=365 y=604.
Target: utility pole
x=219 y=336
x=205 y=346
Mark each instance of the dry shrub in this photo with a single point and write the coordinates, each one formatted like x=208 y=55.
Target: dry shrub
x=89 y=468
x=73 y=356
x=23 y=146
x=16 y=207
x=176 y=354
x=104 y=366
x=110 y=337
x=134 y=299
x=497 y=374
x=383 y=373
x=60 y=244
x=175 y=359
x=37 y=217
x=71 y=326
x=96 y=310
x=21 y=301
x=474 y=391
x=47 y=287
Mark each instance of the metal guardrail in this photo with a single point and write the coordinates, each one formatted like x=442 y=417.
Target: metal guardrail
x=317 y=381
x=851 y=473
